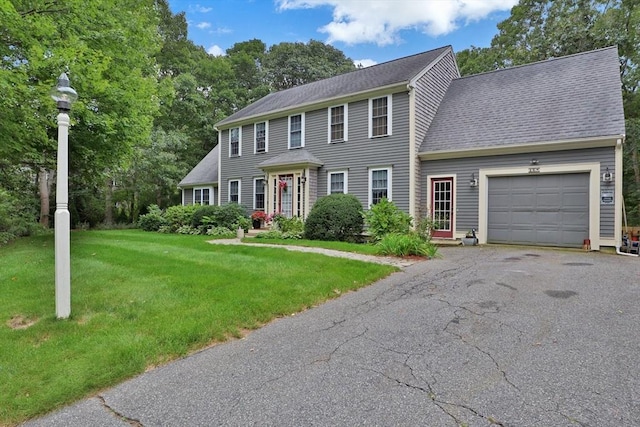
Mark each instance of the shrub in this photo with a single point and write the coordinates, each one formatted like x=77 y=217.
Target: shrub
x=405 y=244
x=178 y=216
x=271 y=234
x=289 y=225
x=335 y=217
x=221 y=232
x=152 y=221
x=385 y=217
x=187 y=229
x=210 y=211
x=17 y=217
x=227 y=215
x=425 y=227
x=242 y=222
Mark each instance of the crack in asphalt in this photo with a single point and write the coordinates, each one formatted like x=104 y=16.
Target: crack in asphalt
x=131 y=421
x=456 y=320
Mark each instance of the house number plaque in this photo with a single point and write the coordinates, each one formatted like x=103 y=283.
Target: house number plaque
x=534 y=170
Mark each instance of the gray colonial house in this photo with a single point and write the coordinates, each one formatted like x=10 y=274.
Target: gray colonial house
x=525 y=155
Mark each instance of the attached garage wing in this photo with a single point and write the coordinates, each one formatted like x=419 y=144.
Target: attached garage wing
x=547 y=210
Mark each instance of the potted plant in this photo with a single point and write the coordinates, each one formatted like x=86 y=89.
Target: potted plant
x=257 y=217
x=470 y=238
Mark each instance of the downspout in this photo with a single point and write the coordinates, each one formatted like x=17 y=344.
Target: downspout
x=412 y=152
x=619 y=202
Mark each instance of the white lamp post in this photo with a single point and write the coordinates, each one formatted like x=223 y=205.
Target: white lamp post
x=64 y=96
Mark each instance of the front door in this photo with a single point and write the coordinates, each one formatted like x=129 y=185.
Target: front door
x=286 y=190
x=442 y=207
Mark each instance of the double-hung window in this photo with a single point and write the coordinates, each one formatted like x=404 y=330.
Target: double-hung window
x=261 y=142
x=337 y=182
x=201 y=196
x=379 y=185
x=258 y=194
x=235 y=149
x=380 y=117
x=338 y=123
x=234 y=191
x=296 y=131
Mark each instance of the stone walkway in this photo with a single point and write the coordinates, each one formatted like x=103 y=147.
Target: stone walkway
x=395 y=261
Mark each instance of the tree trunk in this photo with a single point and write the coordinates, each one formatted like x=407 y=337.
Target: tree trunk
x=45 y=182
x=108 y=202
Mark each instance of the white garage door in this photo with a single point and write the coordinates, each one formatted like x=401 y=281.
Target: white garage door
x=546 y=210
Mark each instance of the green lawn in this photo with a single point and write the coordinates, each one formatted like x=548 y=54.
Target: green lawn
x=138 y=300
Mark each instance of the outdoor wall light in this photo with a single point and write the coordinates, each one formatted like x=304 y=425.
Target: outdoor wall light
x=534 y=161
x=473 y=182
x=607 y=176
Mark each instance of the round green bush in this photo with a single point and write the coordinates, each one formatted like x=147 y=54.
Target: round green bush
x=335 y=217
x=210 y=211
x=151 y=221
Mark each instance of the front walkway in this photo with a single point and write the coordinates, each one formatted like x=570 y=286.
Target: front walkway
x=395 y=261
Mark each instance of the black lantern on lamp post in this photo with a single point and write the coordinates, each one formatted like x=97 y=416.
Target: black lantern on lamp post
x=64 y=95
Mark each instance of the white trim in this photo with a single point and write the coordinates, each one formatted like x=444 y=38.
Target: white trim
x=260 y=178
x=537 y=147
x=433 y=63
x=389 y=116
x=239 y=141
x=594 y=193
x=301 y=131
x=617 y=179
x=345 y=133
x=266 y=137
x=389 y=170
x=182 y=196
x=239 y=181
x=345 y=173
x=454 y=199
x=220 y=170
x=193 y=195
x=413 y=160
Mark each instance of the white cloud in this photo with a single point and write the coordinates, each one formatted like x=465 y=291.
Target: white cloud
x=202 y=9
x=215 y=50
x=222 y=30
x=380 y=21
x=203 y=25
x=364 y=62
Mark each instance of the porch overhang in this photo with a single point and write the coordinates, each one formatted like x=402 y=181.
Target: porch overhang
x=293 y=159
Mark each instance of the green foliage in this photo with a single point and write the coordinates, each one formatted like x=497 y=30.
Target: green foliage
x=291 y=228
x=221 y=233
x=178 y=215
x=227 y=215
x=335 y=217
x=425 y=227
x=16 y=218
x=208 y=211
x=243 y=222
x=385 y=217
x=187 y=229
x=153 y=220
x=404 y=245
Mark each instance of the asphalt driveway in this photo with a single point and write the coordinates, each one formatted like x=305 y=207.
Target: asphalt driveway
x=483 y=336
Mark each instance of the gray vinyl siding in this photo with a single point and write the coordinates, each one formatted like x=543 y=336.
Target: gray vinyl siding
x=356 y=155
x=429 y=91
x=466 y=198
x=187 y=196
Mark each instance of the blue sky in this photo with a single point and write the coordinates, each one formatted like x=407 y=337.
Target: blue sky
x=367 y=31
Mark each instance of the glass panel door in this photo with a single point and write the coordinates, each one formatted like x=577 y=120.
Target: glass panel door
x=442 y=206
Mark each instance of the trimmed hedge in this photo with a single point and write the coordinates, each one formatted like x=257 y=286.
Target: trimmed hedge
x=335 y=217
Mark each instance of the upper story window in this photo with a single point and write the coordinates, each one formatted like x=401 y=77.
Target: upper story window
x=261 y=138
x=338 y=123
x=337 y=182
x=380 y=116
x=379 y=185
x=234 y=191
x=201 y=196
x=296 y=131
x=235 y=148
x=258 y=194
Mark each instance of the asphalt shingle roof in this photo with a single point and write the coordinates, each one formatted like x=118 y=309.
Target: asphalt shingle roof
x=292 y=157
x=380 y=75
x=205 y=172
x=571 y=97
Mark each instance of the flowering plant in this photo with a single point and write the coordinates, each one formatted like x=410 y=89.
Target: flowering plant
x=259 y=215
x=282 y=184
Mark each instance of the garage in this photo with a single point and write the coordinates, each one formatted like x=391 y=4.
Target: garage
x=546 y=210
